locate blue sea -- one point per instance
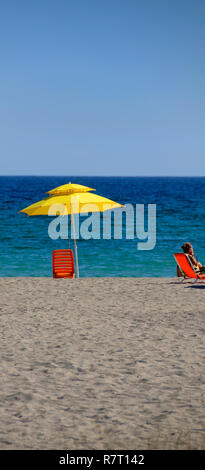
(26, 248)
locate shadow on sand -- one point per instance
(188, 284)
(195, 286)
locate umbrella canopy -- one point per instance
(70, 188)
(73, 199)
(73, 203)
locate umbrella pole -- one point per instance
(76, 250)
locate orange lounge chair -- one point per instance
(63, 264)
(186, 267)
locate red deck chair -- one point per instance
(63, 264)
(186, 267)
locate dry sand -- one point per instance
(102, 364)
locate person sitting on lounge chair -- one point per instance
(188, 249)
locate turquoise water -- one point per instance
(26, 248)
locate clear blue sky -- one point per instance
(102, 87)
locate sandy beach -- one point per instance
(102, 363)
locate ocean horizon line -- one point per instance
(98, 176)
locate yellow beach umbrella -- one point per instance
(71, 199)
(76, 202)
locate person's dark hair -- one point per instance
(186, 247)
